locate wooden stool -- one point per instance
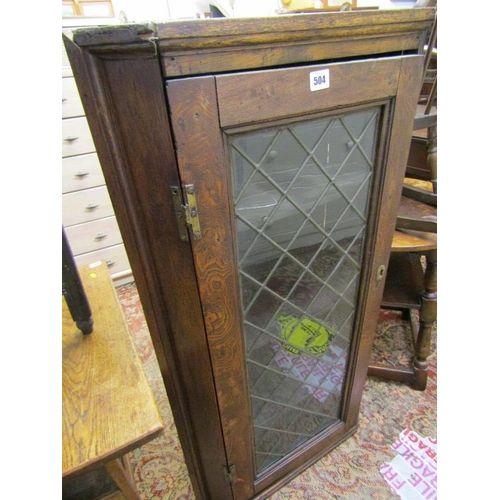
(409, 287)
(108, 407)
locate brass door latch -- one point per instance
(186, 213)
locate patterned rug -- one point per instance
(350, 472)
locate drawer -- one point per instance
(81, 172)
(71, 103)
(115, 258)
(95, 235)
(86, 206)
(76, 137)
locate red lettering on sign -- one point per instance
(407, 452)
(428, 472)
(416, 463)
(398, 484)
(422, 445)
(389, 474)
(434, 482)
(412, 437)
(427, 491)
(432, 454)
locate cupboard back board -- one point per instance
(254, 167)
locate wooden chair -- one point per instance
(411, 283)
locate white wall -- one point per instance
(157, 10)
(162, 10)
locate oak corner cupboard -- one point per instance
(255, 167)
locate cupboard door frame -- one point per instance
(202, 110)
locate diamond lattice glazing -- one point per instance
(301, 196)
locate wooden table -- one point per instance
(108, 406)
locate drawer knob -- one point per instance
(110, 263)
(100, 236)
(81, 174)
(91, 206)
(70, 138)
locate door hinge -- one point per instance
(186, 214)
(230, 474)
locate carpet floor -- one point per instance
(349, 472)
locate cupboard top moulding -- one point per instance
(219, 45)
(255, 168)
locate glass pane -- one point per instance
(301, 196)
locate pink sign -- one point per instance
(412, 474)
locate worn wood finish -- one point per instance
(202, 163)
(108, 406)
(420, 190)
(405, 281)
(124, 100)
(201, 159)
(264, 95)
(222, 45)
(413, 241)
(119, 72)
(122, 477)
(411, 288)
(417, 215)
(408, 286)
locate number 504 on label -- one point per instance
(319, 80)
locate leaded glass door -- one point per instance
(301, 197)
(296, 174)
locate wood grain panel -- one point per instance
(312, 26)
(108, 406)
(265, 95)
(201, 160)
(224, 59)
(222, 45)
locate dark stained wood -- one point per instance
(201, 162)
(410, 287)
(405, 281)
(125, 106)
(201, 159)
(265, 95)
(419, 190)
(221, 45)
(405, 375)
(189, 289)
(416, 215)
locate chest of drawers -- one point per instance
(87, 212)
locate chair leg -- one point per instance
(428, 315)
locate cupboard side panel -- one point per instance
(202, 162)
(125, 106)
